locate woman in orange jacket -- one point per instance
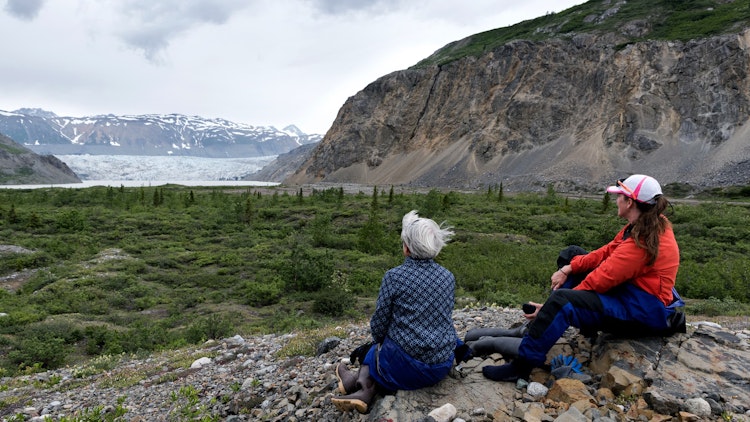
(626, 286)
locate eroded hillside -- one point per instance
(575, 111)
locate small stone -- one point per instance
(698, 406)
(537, 390)
(444, 413)
(327, 345)
(479, 411)
(200, 363)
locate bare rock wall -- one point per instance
(578, 111)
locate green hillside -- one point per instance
(629, 22)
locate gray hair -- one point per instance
(422, 236)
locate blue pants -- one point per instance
(393, 369)
(624, 310)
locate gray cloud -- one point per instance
(338, 7)
(264, 62)
(149, 26)
(24, 9)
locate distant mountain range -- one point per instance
(172, 134)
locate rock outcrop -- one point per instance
(284, 165)
(701, 375)
(19, 165)
(576, 112)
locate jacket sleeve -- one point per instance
(624, 262)
(591, 260)
(381, 318)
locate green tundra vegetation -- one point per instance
(104, 271)
(668, 20)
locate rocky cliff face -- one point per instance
(284, 165)
(19, 165)
(576, 113)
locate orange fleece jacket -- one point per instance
(621, 261)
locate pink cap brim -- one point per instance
(615, 189)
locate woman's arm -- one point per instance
(591, 260)
(381, 318)
(623, 263)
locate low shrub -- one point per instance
(306, 343)
(209, 328)
(332, 302)
(47, 352)
(263, 293)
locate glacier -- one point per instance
(159, 168)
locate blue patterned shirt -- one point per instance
(414, 309)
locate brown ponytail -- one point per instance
(649, 226)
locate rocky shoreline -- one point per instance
(701, 375)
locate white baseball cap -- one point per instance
(639, 187)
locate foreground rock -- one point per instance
(701, 375)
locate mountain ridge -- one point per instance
(619, 22)
(575, 110)
(148, 134)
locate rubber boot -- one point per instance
(510, 372)
(506, 346)
(347, 379)
(477, 333)
(361, 399)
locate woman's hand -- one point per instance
(531, 316)
(559, 277)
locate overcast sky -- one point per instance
(259, 62)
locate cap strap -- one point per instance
(627, 190)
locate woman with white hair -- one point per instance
(412, 327)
